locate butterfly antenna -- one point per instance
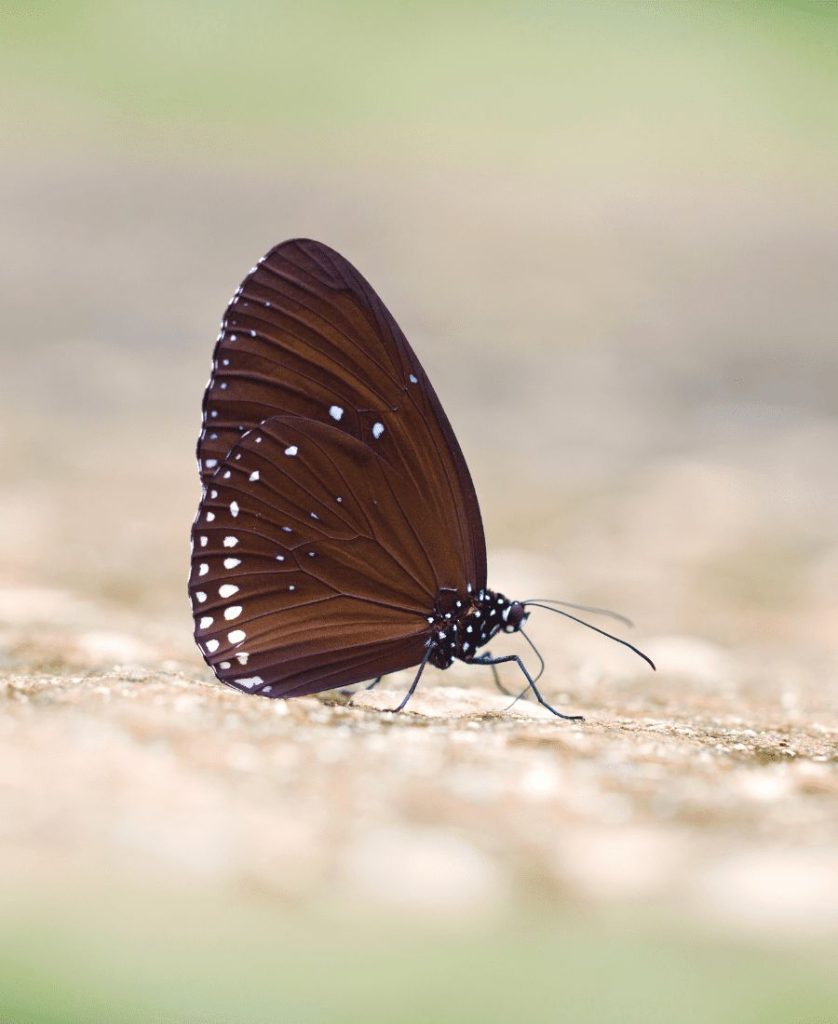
(537, 654)
(588, 609)
(596, 629)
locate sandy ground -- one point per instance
(701, 797)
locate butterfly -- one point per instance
(338, 537)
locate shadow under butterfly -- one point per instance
(338, 537)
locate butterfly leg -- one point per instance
(369, 686)
(532, 686)
(415, 682)
(486, 659)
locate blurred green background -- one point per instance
(610, 231)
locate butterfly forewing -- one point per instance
(306, 335)
(337, 502)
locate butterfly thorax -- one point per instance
(460, 627)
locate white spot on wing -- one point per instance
(210, 463)
(233, 612)
(205, 622)
(210, 517)
(413, 379)
(231, 563)
(250, 682)
(335, 412)
(200, 596)
(230, 542)
(203, 569)
(236, 636)
(291, 450)
(212, 646)
(203, 542)
(242, 657)
(227, 590)
(234, 509)
(377, 430)
(254, 476)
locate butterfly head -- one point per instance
(514, 616)
(500, 614)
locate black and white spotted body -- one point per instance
(462, 626)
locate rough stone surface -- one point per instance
(718, 809)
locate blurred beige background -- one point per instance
(610, 232)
